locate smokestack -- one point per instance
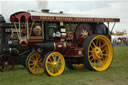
(43, 4)
(61, 12)
(45, 10)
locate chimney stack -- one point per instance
(45, 10)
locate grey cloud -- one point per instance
(9, 7)
(77, 5)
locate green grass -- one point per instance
(117, 74)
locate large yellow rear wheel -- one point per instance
(98, 52)
(34, 63)
(54, 64)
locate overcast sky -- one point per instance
(112, 8)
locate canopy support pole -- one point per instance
(43, 30)
(31, 27)
(17, 31)
(113, 27)
(27, 30)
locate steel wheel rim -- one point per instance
(35, 63)
(55, 64)
(100, 53)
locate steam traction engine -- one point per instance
(51, 41)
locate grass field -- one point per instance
(117, 74)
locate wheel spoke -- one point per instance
(90, 51)
(94, 62)
(90, 55)
(58, 60)
(32, 58)
(51, 69)
(59, 65)
(33, 67)
(91, 59)
(103, 45)
(50, 59)
(31, 64)
(49, 65)
(40, 63)
(100, 44)
(103, 50)
(38, 69)
(38, 66)
(56, 69)
(37, 57)
(40, 60)
(49, 62)
(53, 58)
(97, 42)
(105, 54)
(93, 44)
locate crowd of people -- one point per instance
(121, 40)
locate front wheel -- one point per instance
(54, 64)
(98, 52)
(34, 63)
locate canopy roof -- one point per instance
(40, 16)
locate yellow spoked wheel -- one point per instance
(54, 64)
(98, 52)
(34, 63)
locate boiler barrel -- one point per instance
(46, 45)
(54, 46)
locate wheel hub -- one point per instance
(35, 62)
(84, 34)
(55, 64)
(97, 53)
(6, 63)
